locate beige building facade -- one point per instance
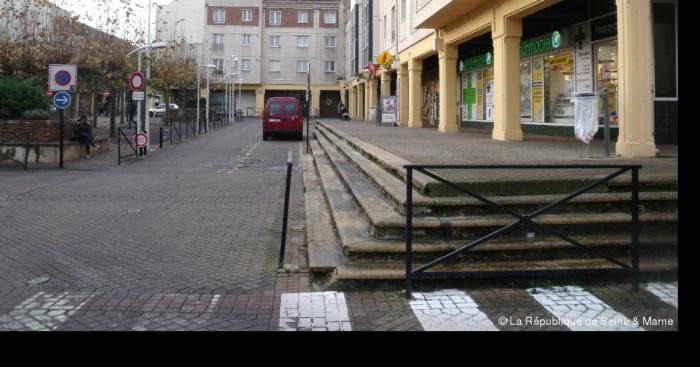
(515, 66)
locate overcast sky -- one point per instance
(93, 13)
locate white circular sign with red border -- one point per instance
(136, 81)
(141, 139)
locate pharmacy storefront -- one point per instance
(553, 67)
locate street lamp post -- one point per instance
(209, 66)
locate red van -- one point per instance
(282, 116)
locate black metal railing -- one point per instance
(526, 219)
(10, 136)
(286, 209)
(128, 141)
(178, 131)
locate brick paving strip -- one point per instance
(580, 310)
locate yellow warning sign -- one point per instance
(385, 60)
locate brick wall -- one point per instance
(234, 16)
(290, 18)
(42, 130)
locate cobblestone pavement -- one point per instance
(188, 239)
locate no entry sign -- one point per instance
(136, 81)
(141, 139)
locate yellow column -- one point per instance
(386, 83)
(403, 95)
(315, 102)
(341, 87)
(635, 79)
(448, 89)
(361, 102)
(373, 102)
(415, 71)
(259, 101)
(352, 106)
(367, 99)
(506, 67)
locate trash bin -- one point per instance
(585, 116)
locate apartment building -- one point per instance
(267, 49)
(363, 38)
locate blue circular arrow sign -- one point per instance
(61, 100)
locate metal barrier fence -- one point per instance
(124, 138)
(527, 219)
(7, 136)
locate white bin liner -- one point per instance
(585, 116)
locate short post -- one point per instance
(635, 228)
(606, 136)
(60, 140)
(286, 209)
(170, 130)
(409, 230)
(26, 150)
(160, 140)
(119, 146)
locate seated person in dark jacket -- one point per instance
(82, 132)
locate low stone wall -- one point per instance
(48, 152)
(42, 130)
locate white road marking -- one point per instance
(44, 311)
(449, 310)
(318, 311)
(579, 310)
(667, 292)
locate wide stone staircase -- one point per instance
(356, 216)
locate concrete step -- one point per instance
(386, 223)
(498, 183)
(397, 270)
(394, 190)
(325, 253)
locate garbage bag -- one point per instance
(585, 116)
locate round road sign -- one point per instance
(62, 78)
(141, 139)
(136, 81)
(106, 93)
(61, 100)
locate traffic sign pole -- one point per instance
(60, 140)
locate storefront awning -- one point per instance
(448, 13)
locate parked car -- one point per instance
(282, 116)
(160, 109)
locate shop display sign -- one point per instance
(561, 61)
(490, 95)
(605, 27)
(584, 59)
(541, 45)
(389, 111)
(538, 89)
(476, 62)
(480, 95)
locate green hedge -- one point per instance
(21, 99)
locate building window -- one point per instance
(329, 41)
(274, 41)
(275, 18)
(329, 66)
(302, 66)
(247, 15)
(665, 50)
(403, 11)
(246, 65)
(219, 63)
(303, 17)
(246, 40)
(384, 28)
(218, 43)
(393, 21)
(274, 66)
(219, 16)
(302, 41)
(329, 17)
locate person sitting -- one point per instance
(82, 132)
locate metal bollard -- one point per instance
(160, 140)
(286, 209)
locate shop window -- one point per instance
(665, 50)
(559, 87)
(606, 76)
(526, 91)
